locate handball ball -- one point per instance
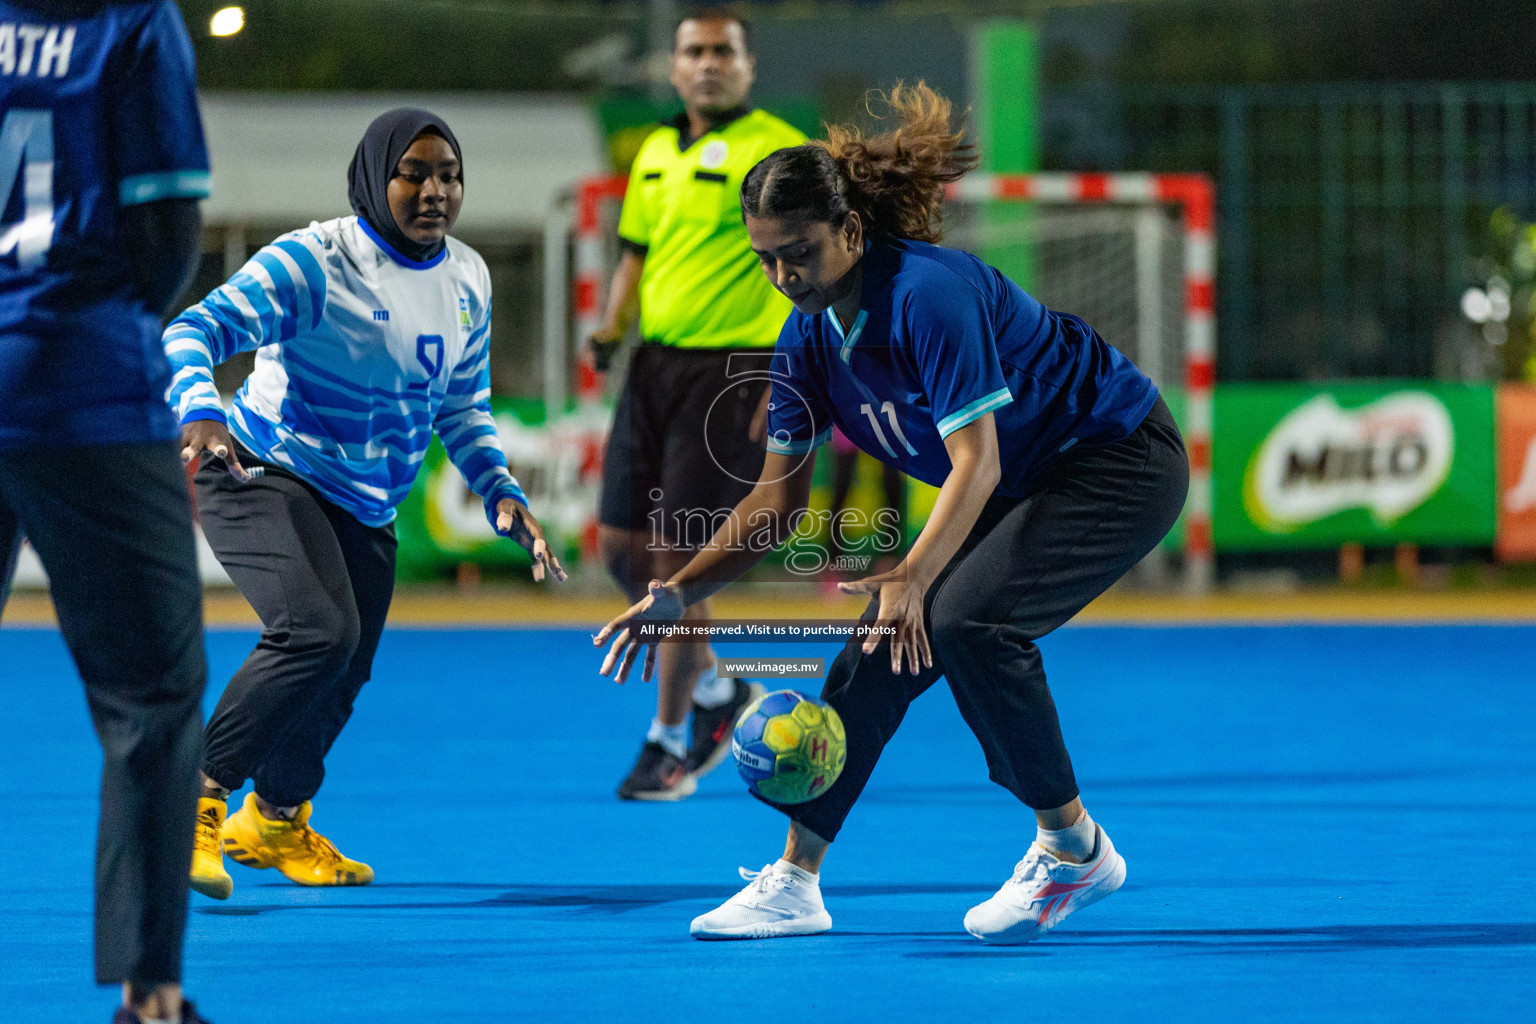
(789, 747)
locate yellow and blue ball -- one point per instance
(789, 747)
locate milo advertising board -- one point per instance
(1299, 466)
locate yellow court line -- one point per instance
(443, 607)
(1321, 606)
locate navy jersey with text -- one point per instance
(98, 111)
(941, 339)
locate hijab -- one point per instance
(374, 163)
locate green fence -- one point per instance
(1348, 215)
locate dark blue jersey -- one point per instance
(98, 111)
(940, 340)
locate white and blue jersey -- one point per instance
(361, 353)
(98, 111)
(940, 340)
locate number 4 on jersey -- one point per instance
(26, 152)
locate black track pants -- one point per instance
(1027, 567)
(113, 527)
(321, 582)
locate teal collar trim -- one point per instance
(852, 337)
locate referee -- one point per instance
(687, 444)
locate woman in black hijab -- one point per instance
(373, 333)
(387, 207)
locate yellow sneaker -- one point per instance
(295, 849)
(208, 874)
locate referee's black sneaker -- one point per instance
(658, 774)
(712, 728)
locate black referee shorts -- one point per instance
(681, 451)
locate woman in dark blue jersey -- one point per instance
(1059, 468)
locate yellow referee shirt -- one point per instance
(702, 286)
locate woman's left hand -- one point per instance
(514, 520)
(663, 602)
(901, 607)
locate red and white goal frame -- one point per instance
(1192, 195)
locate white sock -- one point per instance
(712, 691)
(784, 867)
(1074, 841)
(672, 737)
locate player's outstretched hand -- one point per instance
(212, 436)
(662, 603)
(514, 520)
(901, 607)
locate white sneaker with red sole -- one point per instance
(1044, 889)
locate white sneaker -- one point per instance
(775, 903)
(1043, 890)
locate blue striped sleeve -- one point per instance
(277, 294)
(314, 278)
(467, 428)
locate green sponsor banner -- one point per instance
(441, 524)
(1309, 466)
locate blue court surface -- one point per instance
(1321, 824)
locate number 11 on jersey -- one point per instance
(888, 409)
